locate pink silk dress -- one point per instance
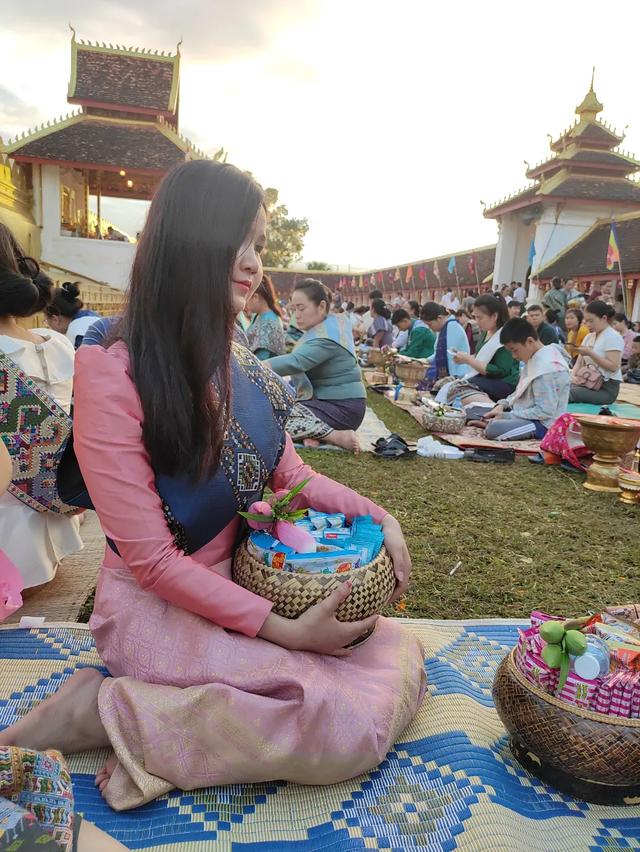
(195, 698)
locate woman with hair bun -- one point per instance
(597, 373)
(35, 541)
(66, 313)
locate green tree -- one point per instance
(285, 234)
(319, 266)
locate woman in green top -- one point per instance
(493, 368)
(265, 332)
(332, 398)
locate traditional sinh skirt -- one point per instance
(192, 705)
(315, 418)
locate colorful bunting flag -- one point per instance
(436, 269)
(452, 266)
(397, 276)
(380, 277)
(613, 251)
(409, 276)
(471, 266)
(532, 250)
(422, 275)
(372, 280)
(353, 282)
(361, 283)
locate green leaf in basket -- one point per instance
(252, 516)
(284, 501)
(298, 515)
(564, 671)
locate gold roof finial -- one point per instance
(590, 106)
(73, 37)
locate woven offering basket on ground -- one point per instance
(588, 755)
(292, 594)
(450, 423)
(410, 372)
(375, 357)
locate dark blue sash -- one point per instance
(253, 445)
(440, 367)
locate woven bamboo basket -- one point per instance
(293, 594)
(589, 755)
(450, 424)
(410, 372)
(375, 357)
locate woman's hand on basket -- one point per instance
(399, 553)
(318, 629)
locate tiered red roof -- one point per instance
(585, 167)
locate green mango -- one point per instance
(552, 632)
(552, 655)
(575, 642)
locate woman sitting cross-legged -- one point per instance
(542, 394)
(176, 429)
(493, 368)
(332, 398)
(380, 332)
(265, 332)
(597, 373)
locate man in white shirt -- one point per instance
(449, 301)
(520, 294)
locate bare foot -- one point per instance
(311, 442)
(104, 775)
(67, 721)
(345, 438)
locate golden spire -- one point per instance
(590, 106)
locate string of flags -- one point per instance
(415, 276)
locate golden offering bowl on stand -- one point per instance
(609, 438)
(629, 482)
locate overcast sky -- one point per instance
(384, 123)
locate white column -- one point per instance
(50, 177)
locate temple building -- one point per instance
(119, 143)
(586, 180)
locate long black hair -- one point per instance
(268, 292)
(178, 323)
(380, 308)
(601, 310)
(24, 289)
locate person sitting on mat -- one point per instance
(546, 332)
(493, 368)
(632, 374)
(451, 338)
(542, 394)
(597, 373)
(421, 340)
(332, 398)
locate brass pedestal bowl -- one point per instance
(609, 438)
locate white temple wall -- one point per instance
(558, 229)
(512, 251)
(106, 261)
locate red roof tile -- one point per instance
(118, 78)
(108, 143)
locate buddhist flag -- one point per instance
(436, 270)
(372, 280)
(452, 266)
(613, 252)
(353, 281)
(409, 276)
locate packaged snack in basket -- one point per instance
(595, 662)
(538, 618)
(323, 520)
(624, 655)
(619, 703)
(629, 611)
(621, 624)
(635, 696)
(539, 673)
(578, 691)
(615, 634)
(602, 703)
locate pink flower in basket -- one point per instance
(276, 517)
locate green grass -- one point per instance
(527, 536)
